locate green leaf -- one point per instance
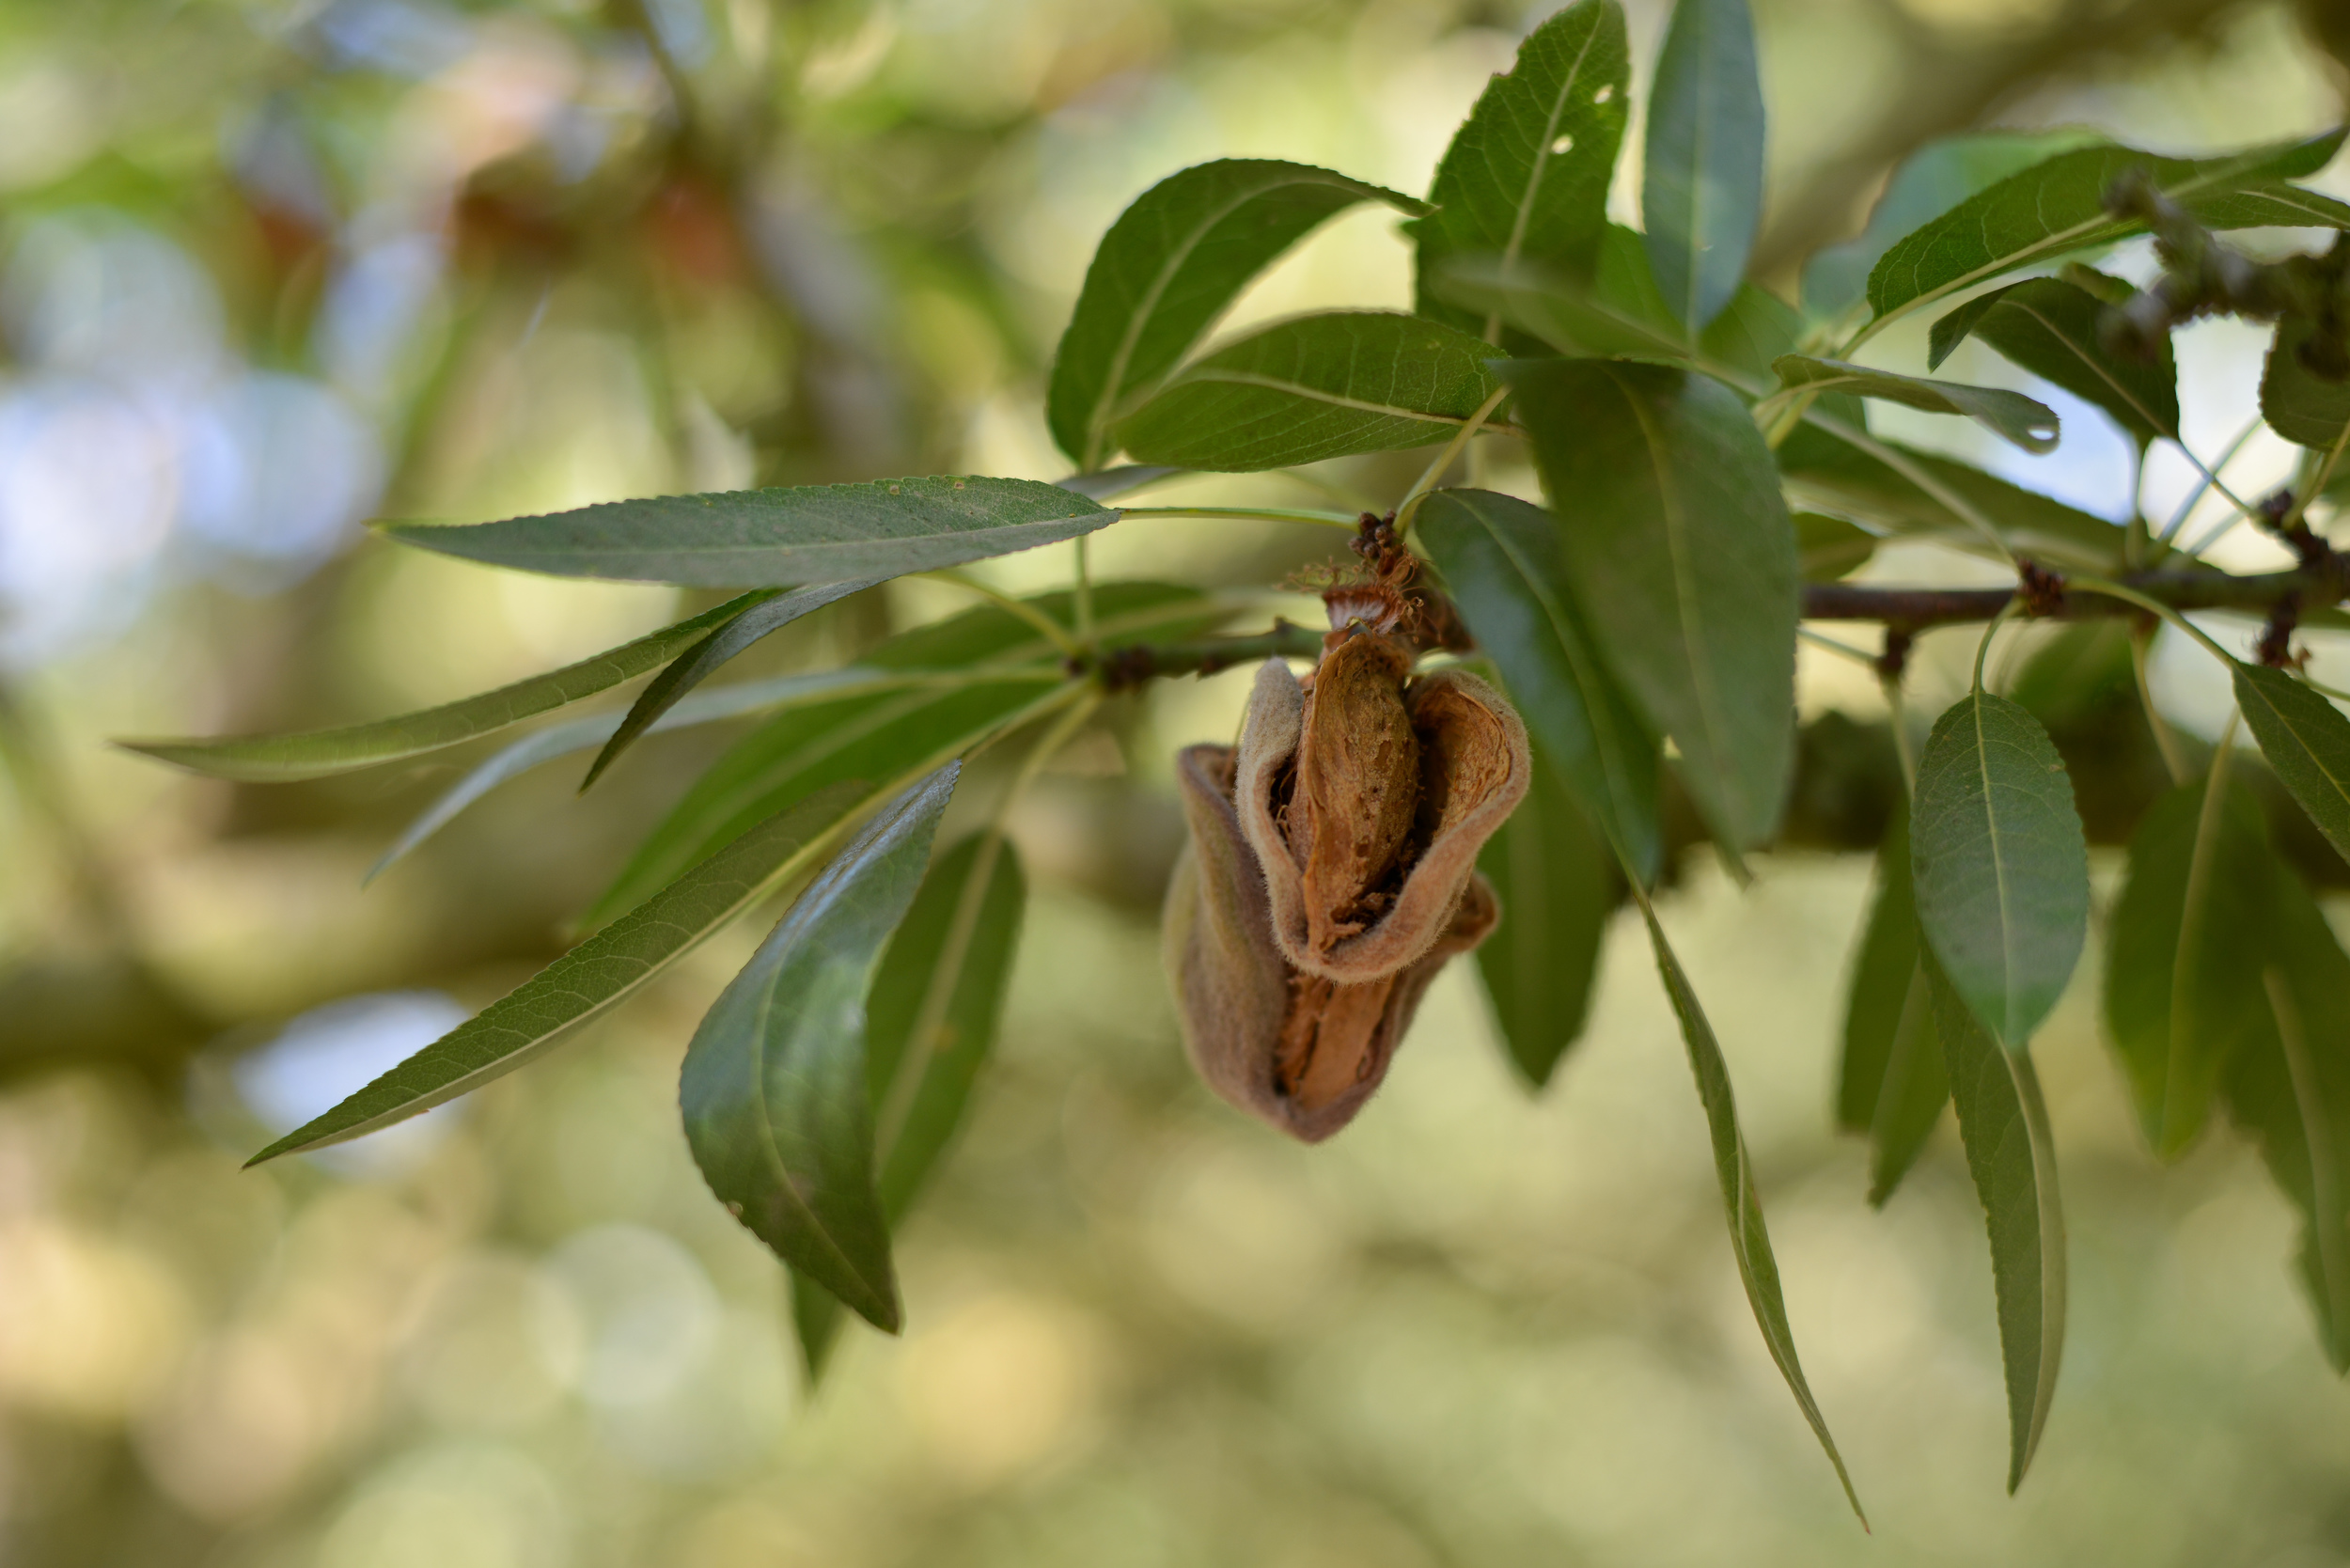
(931, 1020)
(1890, 1083)
(1733, 1168)
(1166, 270)
(2010, 416)
(2288, 1085)
(1702, 195)
(2183, 961)
(705, 658)
(1828, 548)
(889, 738)
(2000, 863)
(586, 982)
(2306, 740)
(519, 756)
(1573, 319)
(1937, 176)
(2003, 1123)
(2058, 206)
(2303, 407)
(1315, 387)
(1683, 556)
(1525, 178)
(277, 758)
(1835, 475)
(1558, 880)
(822, 533)
(2049, 327)
(1106, 482)
(777, 1109)
(1500, 560)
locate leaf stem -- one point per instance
(2131, 596)
(1982, 649)
(2165, 738)
(2211, 477)
(1051, 630)
(1263, 514)
(1409, 507)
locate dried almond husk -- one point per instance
(1367, 797)
(1301, 1052)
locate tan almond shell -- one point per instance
(1474, 779)
(1232, 987)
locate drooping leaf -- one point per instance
(1915, 499)
(1501, 563)
(2183, 965)
(2000, 864)
(2058, 206)
(1937, 176)
(2003, 1123)
(1755, 329)
(1166, 270)
(1525, 178)
(1828, 548)
(2306, 740)
(2288, 1085)
(277, 758)
(931, 1020)
(889, 738)
(1701, 195)
(1678, 545)
(587, 981)
(1573, 317)
(777, 1109)
(707, 657)
(1890, 1083)
(1314, 388)
(2299, 405)
(820, 533)
(2049, 327)
(2010, 416)
(587, 733)
(1557, 878)
(1733, 1168)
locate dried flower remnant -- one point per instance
(1300, 1051)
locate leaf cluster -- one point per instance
(1708, 473)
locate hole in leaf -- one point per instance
(1561, 145)
(1604, 93)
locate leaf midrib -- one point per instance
(1314, 394)
(1524, 214)
(1998, 871)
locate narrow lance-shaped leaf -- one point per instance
(2183, 967)
(1315, 387)
(1558, 880)
(889, 738)
(2298, 403)
(1525, 178)
(1890, 1083)
(2288, 1085)
(1166, 270)
(1499, 556)
(1916, 498)
(823, 533)
(931, 1020)
(778, 1110)
(2003, 1123)
(2306, 740)
(1701, 195)
(273, 758)
(1828, 548)
(1749, 1241)
(1936, 177)
(2048, 326)
(2000, 862)
(2058, 206)
(517, 758)
(1676, 542)
(1105, 483)
(586, 982)
(2010, 416)
(705, 658)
